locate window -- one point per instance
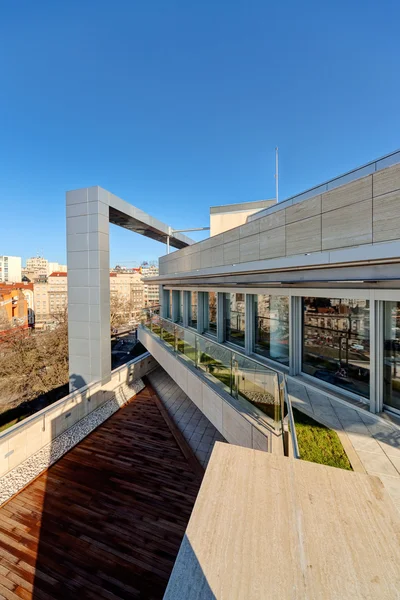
(234, 318)
(272, 327)
(193, 309)
(336, 342)
(210, 320)
(391, 364)
(179, 312)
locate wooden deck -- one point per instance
(107, 520)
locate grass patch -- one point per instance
(318, 443)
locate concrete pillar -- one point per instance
(175, 305)
(295, 334)
(221, 317)
(88, 286)
(165, 304)
(249, 324)
(187, 298)
(200, 311)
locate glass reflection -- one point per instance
(336, 346)
(272, 327)
(193, 310)
(210, 321)
(391, 365)
(234, 318)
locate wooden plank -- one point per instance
(107, 520)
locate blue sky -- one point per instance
(176, 106)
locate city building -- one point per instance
(51, 299)
(128, 286)
(151, 291)
(14, 308)
(41, 300)
(55, 267)
(57, 294)
(10, 269)
(37, 265)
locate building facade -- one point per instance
(310, 286)
(151, 291)
(128, 286)
(10, 269)
(51, 299)
(15, 300)
(37, 265)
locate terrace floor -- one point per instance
(372, 442)
(197, 430)
(107, 520)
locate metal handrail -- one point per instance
(292, 425)
(280, 402)
(224, 346)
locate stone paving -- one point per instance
(200, 434)
(375, 440)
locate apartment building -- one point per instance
(14, 311)
(128, 285)
(50, 298)
(10, 269)
(57, 293)
(151, 291)
(39, 267)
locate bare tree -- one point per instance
(32, 363)
(121, 310)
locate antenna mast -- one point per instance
(276, 174)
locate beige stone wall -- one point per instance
(221, 222)
(365, 211)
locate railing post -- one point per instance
(196, 352)
(175, 340)
(277, 404)
(235, 376)
(231, 378)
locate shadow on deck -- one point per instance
(107, 520)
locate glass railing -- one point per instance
(240, 376)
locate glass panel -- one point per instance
(186, 342)
(256, 384)
(336, 342)
(391, 365)
(168, 335)
(193, 310)
(211, 317)
(215, 360)
(272, 327)
(234, 318)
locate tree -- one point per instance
(120, 310)
(32, 363)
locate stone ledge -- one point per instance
(19, 477)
